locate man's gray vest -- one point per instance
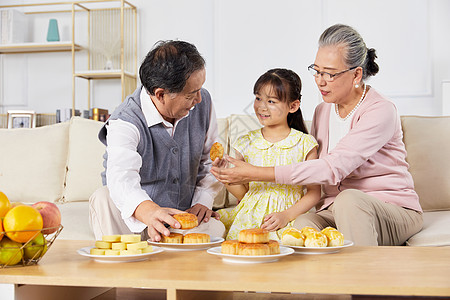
(170, 165)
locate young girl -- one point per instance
(282, 141)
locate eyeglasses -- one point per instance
(326, 76)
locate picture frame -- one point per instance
(21, 119)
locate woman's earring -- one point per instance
(356, 85)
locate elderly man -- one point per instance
(157, 150)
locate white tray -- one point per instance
(118, 258)
(188, 247)
(320, 250)
(247, 259)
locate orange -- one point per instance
(22, 223)
(5, 205)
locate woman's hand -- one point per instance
(235, 175)
(275, 221)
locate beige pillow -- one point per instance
(33, 162)
(434, 232)
(428, 146)
(85, 160)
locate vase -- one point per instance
(53, 33)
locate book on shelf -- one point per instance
(100, 114)
(64, 114)
(13, 26)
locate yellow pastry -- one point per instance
(334, 237)
(316, 239)
(196, 238)
(307, 230)
(173, 238)
(96, 251)
(230, 247)
(254, 235)
(216, 151)
(253, 249)
(274, 247)
(186, 220)
(292, 237)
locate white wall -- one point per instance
(241, 39)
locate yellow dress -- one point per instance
(264, 198)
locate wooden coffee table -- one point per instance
(396, 271)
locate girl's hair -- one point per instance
(287, 86)
(356, 54)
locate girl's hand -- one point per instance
(275, 221)
(220, 163)
(235, 175)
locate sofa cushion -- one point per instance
(427, 143)
(33, 162)
(435, 231)
(85, 160)
(75, 220)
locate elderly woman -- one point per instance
(368, 193)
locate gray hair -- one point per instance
(356, 54)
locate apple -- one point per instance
(50, 215)
(36, 247)
(10, 252)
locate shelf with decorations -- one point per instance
(111, 46)
(38, 47)
(109, 43)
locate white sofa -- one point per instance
(62, 163)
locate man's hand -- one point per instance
(155, 216)
(275, 221)
(202, 212)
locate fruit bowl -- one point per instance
(29, 253)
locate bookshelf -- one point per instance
(110, 41)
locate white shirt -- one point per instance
(338, 128)
(124, 163)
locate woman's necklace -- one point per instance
(354, 108)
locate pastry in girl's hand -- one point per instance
(216, 151)
(196, 238)
(254, 235)
(173, 238)
(186, 220)
(292, 237)
(316, 239)
(230, 247)
(274, 247)
(253, 249)
(335, 238)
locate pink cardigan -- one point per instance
(370, 158)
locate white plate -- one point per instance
(188, 247)
(246, 259)
(118, 258)
(320, 250)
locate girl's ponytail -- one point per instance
(295, 120)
